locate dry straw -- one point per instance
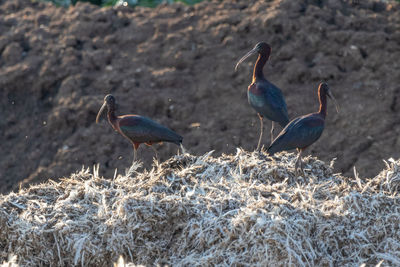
(244, 209)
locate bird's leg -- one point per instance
(134, 155)
(299, 162)
(272, 131)
(155, 151)
(135, 148)
(183, 149)
(301, 166)
(296, 165)
(261, 132)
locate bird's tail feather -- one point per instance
(177, 142)
(273, 148)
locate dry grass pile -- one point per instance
(243, 209)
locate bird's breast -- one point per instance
(254, 90)
(256, 100)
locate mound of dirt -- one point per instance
(242, 209)
(175, 64)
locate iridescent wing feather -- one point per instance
(140, 129)
(299, 133)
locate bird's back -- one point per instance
(299, 133)
(267, 99)
(141, 129)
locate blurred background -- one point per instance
(174, 62)
(132, 3)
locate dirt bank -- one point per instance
(175, 64)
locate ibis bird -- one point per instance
(303, 131)
(263, 96)
(137, 129)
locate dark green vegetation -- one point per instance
(146, 3)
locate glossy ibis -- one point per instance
(137, 129)
(263, 96)
(303, 131)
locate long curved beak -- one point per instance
(330, 95)
(100, 112)
(251, 52)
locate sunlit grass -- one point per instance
(239, 209)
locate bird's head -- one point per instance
(325, 90)
(109, 102)
(261, 48)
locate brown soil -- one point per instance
(175, 64)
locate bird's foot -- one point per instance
(260, 148)
(299, 172)
(259, 153)
(298, 168)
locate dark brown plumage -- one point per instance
(303, 131)
(137, 129)
(263, 96)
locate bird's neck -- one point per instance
(258, 67)
(322, 104)
(112, 118)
